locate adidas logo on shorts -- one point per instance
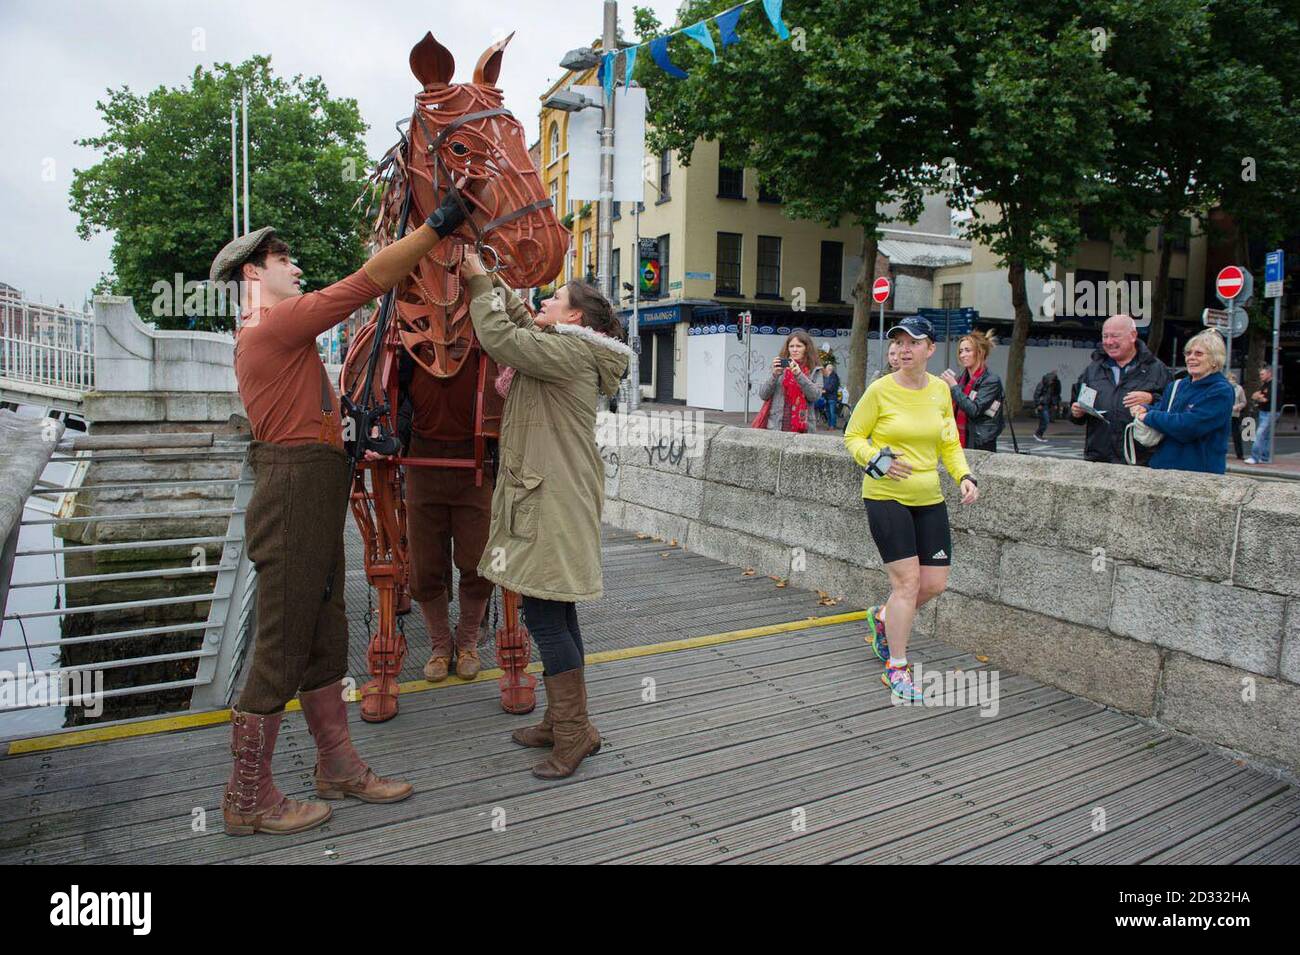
(941, 555)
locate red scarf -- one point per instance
(795, 401)
(967, 386)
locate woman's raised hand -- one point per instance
(471, 265)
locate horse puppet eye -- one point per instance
(459, 149)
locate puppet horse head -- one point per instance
(460, 134)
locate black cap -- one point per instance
(915, 325)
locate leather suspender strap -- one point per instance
(329, 426)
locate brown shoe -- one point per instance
(436, 622)
(467, 664)
(436, 670)
(542, 734)
(252, 801)
(575, 737)
(340, 771)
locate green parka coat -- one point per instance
(550, 488)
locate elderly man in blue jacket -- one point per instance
(1195, 414)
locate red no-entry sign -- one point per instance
(880, 290)
(1229, 282)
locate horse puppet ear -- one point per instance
(488, 67)
(431, 62)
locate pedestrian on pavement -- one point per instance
(1195, 413)
(1266, 416)
(788, 395)
(1047, 398)
(831, 394)
(544, 542)
(900, 429)
(302, 483)
(1238, 410)
(891, 356)
(1123, 374)
(977, 396)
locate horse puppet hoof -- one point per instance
(379, 701)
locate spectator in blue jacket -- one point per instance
(1197, 422)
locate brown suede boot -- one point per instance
(340, 771)
(439, 627)
(575, 737)
(542, 734)
(467, 631)
(252, 802)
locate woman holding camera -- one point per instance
(544, 542)
(790, 394)
(977, 395)
(899, 431)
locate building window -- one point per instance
(1091, 228)
(555, 141)
(832, 271)
(1090, 287)
(665, 175)
(1175, 298)
(951, 295)
(614, 276)
(766, 194)
(589, 267)
(731, 182)
(664, 290)
(555, 197)
(728, 263)
(769, 267)
(618, 210)
(1178, 234)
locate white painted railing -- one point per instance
(45, 346)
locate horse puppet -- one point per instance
(460, 141)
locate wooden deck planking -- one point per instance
(741, 734)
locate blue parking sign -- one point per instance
(1273, 274)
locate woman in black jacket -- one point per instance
(977, 395)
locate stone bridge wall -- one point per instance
(1170, 595)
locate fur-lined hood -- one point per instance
(611, 356)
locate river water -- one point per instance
(16, 655)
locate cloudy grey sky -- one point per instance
(61, 56)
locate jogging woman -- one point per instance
(899, 431)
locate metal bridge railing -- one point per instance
(219, 654)
(46, 346)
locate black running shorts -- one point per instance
(901, 532)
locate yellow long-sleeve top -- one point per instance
(918, 425)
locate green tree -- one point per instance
(840, 121)
(163, 183)
(1031, 111)
(1218, 124)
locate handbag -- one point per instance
(1142, 433)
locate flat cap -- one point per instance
(235, 252)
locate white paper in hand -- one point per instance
(1087, 399)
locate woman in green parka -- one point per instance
(545, 538)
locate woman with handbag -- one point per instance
(1189, 426)
(790, 393)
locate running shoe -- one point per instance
(877, 639)
(899, 681)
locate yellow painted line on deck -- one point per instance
(183, 721)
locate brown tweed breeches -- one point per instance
(294, 529)
(444, 508)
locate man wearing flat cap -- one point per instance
(294, 522)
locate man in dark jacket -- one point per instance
(831, 394)
(1047, 400)
(1123, 373)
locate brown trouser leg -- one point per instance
(294, 529)
(446, 512)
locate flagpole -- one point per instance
(245, 108)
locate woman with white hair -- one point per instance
(1195, 413)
